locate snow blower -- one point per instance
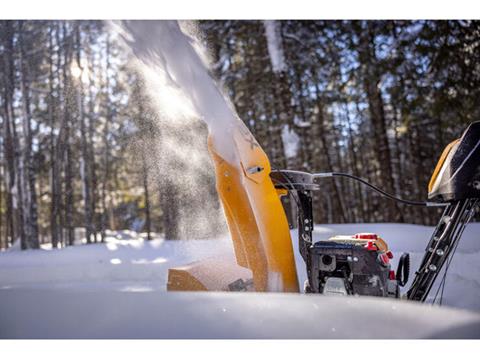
(344, 265)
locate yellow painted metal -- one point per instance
(381, 244)
(282, 192)
(256, 221)
(440, 162)
(241, 222)
(255, 216)
(214, 274)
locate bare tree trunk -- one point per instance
(106, 154)
(85, 161)
(30, 193)
(356, 171)
(281, 88)
(58, 145)
(11, 145)
(147, 197)
(371, 81)
(321, 135)
(168, 200)
(91, 152)
(66, 142)
(3, 245)
(54, 173)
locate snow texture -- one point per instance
(108, 314)
(117, 290)
(176, 71)
(274, 43)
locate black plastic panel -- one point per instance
(459, 177)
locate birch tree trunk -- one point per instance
(280, 87)
(85, 161)
(54, 160)
(106, 152)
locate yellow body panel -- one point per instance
(255, 215)
(216, 274)
(381, 244)
(440, 162)
(241, 222)
(256, 220)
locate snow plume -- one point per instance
(274, 43)
(175, 70)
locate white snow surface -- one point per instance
(127, 261)
(117, 290)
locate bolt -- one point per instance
(432, 268)
(476, 185)
(254, 170)
(440, 252)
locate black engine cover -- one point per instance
(359, 267)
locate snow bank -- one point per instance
(110, 314)
(117, 290)
(125, 262)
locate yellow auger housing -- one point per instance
(256, 220)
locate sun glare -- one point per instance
(169, 99)
(78, 72)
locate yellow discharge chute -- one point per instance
(256, 221)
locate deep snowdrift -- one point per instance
(110, 314)
(117, 289)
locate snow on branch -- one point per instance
(275, 48)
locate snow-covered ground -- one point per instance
(126, 262)
(128, 265)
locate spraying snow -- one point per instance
(174, 66)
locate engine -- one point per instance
(352, 265)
